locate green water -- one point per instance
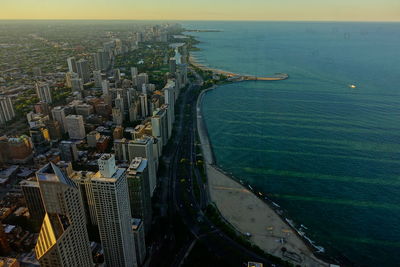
(327, 154)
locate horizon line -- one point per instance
(200, 20)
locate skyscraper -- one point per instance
(139, 236)
(33, 200)
(143, 147)
(141, 79)
(111, 198)
(139, 191)
(117, 75)
(75, 126)
(97, 78)
(144, 108)
(172, 65)
(63, 238)
(43, 92)
(59, 114)
(69, 152)
(159, 125)
(82, 67)
(77, 84)
(72, 64)
(118, 117)
(68, 78)
(101, 60)
(169, 95)
(134, 72)
(7, 112)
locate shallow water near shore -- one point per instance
(328, 154)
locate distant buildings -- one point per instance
(59, 114)
(82, 67)
(72, 65)
(101, 60)
(98, 80)
(7, 112)
(75, 127)
(141, 79)
(77, 84)
(63, 238)
(43, 92)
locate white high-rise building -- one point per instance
(72, 64)
(159, 126)
(169, 95)
(63, 239)
(75, 126)
(7, 112)
(143, 148)
(111, 198)
(43, 92)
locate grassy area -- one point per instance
(150, 58)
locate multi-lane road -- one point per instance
(184, 204)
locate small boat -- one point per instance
(352, 86)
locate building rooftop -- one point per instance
(52, 173)
(137, 165)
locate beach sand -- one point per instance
(249, 214)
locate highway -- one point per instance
(186, 223)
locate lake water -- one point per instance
(328, 154)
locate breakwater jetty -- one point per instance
(239, 77)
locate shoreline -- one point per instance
(274, 231)
(235, 76)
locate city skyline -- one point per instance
(179, 10)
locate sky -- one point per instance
(309, 10)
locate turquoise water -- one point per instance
(329, 155)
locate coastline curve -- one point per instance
(251, 214)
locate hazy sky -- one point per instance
(349, 10)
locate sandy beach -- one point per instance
(248, 213)
(195, 63)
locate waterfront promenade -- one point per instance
(249, 214)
